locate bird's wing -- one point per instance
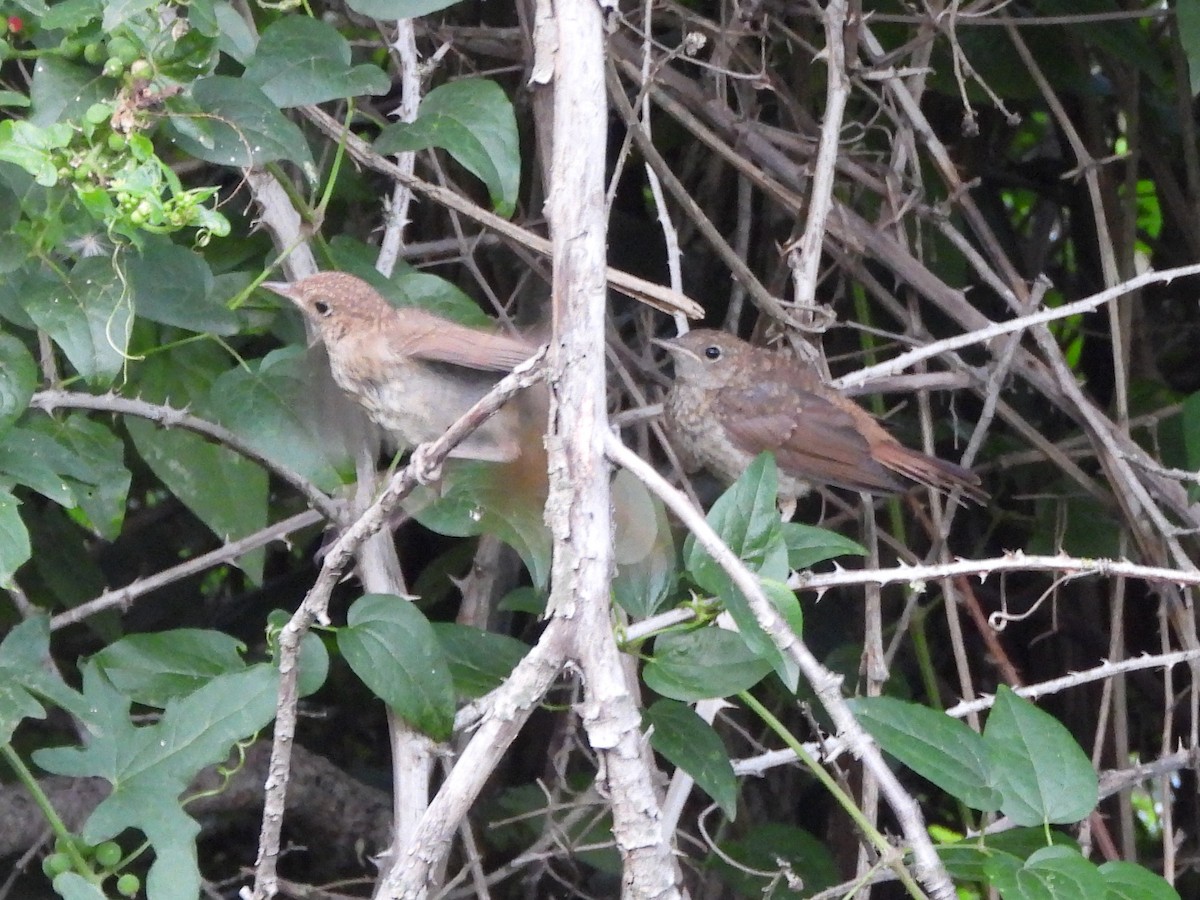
(439, 340)
(811, 436)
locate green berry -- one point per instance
(108, 854)
(98, 113)
(117, 142)
(69, 48)
(55, 864)
(113, 68)
(94, 53)
(140, 68)
(124, 49)
(128, 884)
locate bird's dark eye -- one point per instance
(712, 351)
(322, 308)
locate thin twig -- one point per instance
(169, 417)
(122, 598)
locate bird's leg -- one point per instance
(425, 470)
(787, 508)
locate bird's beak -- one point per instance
(282, 288)
(667, 344)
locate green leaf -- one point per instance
(91, 462)
(746, 519)
(933, 745)
(31, 148)
(24, 678)
(73, 886)
(479, 660)
(235, 124)
(314, 657)
(234, 36)
(226, 491)
(192, 54)
(390, 645)
(691, 744)
(117, 12)
(398, 9)
(697, 665)
(808, 545)
(1079, 525)
(1038, 767)
(174, 285)
(523, 599)
(967, 860)
(1053, 873)
(71, 15)
(270, 405)
(89, 317)
(65, 564)
(18, 380)
(149, 767)
(481, 498)
(153, 669)
(301, 61)
(473, 121)
(1127, 881)
(38, 461)
(765, 849)
(61, 91)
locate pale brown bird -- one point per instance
(415, 372)
(731, 401)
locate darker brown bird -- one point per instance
(731, 401)
(415, 372)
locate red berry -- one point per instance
(15, 23)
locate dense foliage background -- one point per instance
(177, 470)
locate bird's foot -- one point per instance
(426, 470)
(787, 508)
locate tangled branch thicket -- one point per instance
(852, 182)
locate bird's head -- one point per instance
(704, 358)
(333, 301)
